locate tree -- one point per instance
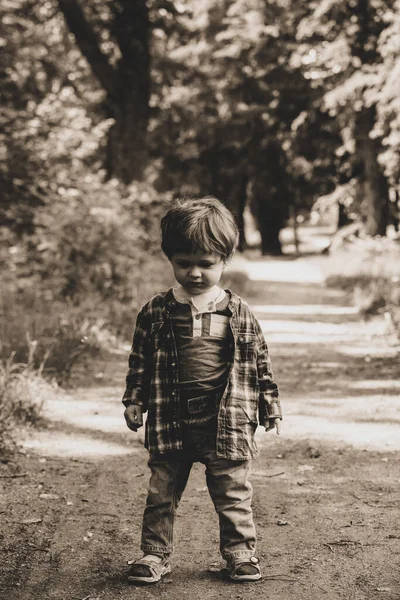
(23, 85)
(232, 98)
(123, 73)
(340, 52)
(388, 108)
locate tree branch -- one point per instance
(87, 42)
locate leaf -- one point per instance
(303, 468)
(31, 521)
(49, 496)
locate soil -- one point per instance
(326, 492)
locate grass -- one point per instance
(46, 334)
(43, 338)
(369, 270)
(23, 391)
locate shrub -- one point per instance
(46, 335)
(369, 271)
(22, 394)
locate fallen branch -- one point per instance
(99, 514)
(260, 474)
(282, 577)
(13, 476)
(342, 543)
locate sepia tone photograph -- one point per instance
(200, 299)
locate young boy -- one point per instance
(199, 367)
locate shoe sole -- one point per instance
(245, 578)
(147, 580)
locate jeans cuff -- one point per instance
(158, 550)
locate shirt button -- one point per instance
(198, 316)
(241, 338)
(173, 364)
(168, 335)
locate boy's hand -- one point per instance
(133, 416)
(274, 423)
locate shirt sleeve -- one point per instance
(139, 372)
(269, 402)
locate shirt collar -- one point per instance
(206, 302)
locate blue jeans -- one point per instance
(227, 483)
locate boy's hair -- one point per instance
(204, 224)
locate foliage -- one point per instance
(349, 51)
(248, 100)
(81, 277)
(223, 122)
(45, 335)
(387, 93)
(234, 84)
(22, 393)
(369, 270)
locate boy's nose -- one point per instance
(195, 272)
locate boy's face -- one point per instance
(197, 272)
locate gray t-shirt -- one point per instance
(205, 348)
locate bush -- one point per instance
(22, 394)
(369, 271)
(91, 263)
(39, 329)
(46, 335)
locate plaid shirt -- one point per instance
(251, 394)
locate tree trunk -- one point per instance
(343, 219)
(229, 184)
(375, 188)
(270, 222)
(126, 145)
(127, 154)
(270, 197)
(374, 184)
(394, 211)
(127, 85)
(235, 196)
(128, 137)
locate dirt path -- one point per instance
(326, 493)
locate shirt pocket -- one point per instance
(157, 335)
(246, 346)
(219, 326)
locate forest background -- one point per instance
(112, 108)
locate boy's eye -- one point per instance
(183, 264)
